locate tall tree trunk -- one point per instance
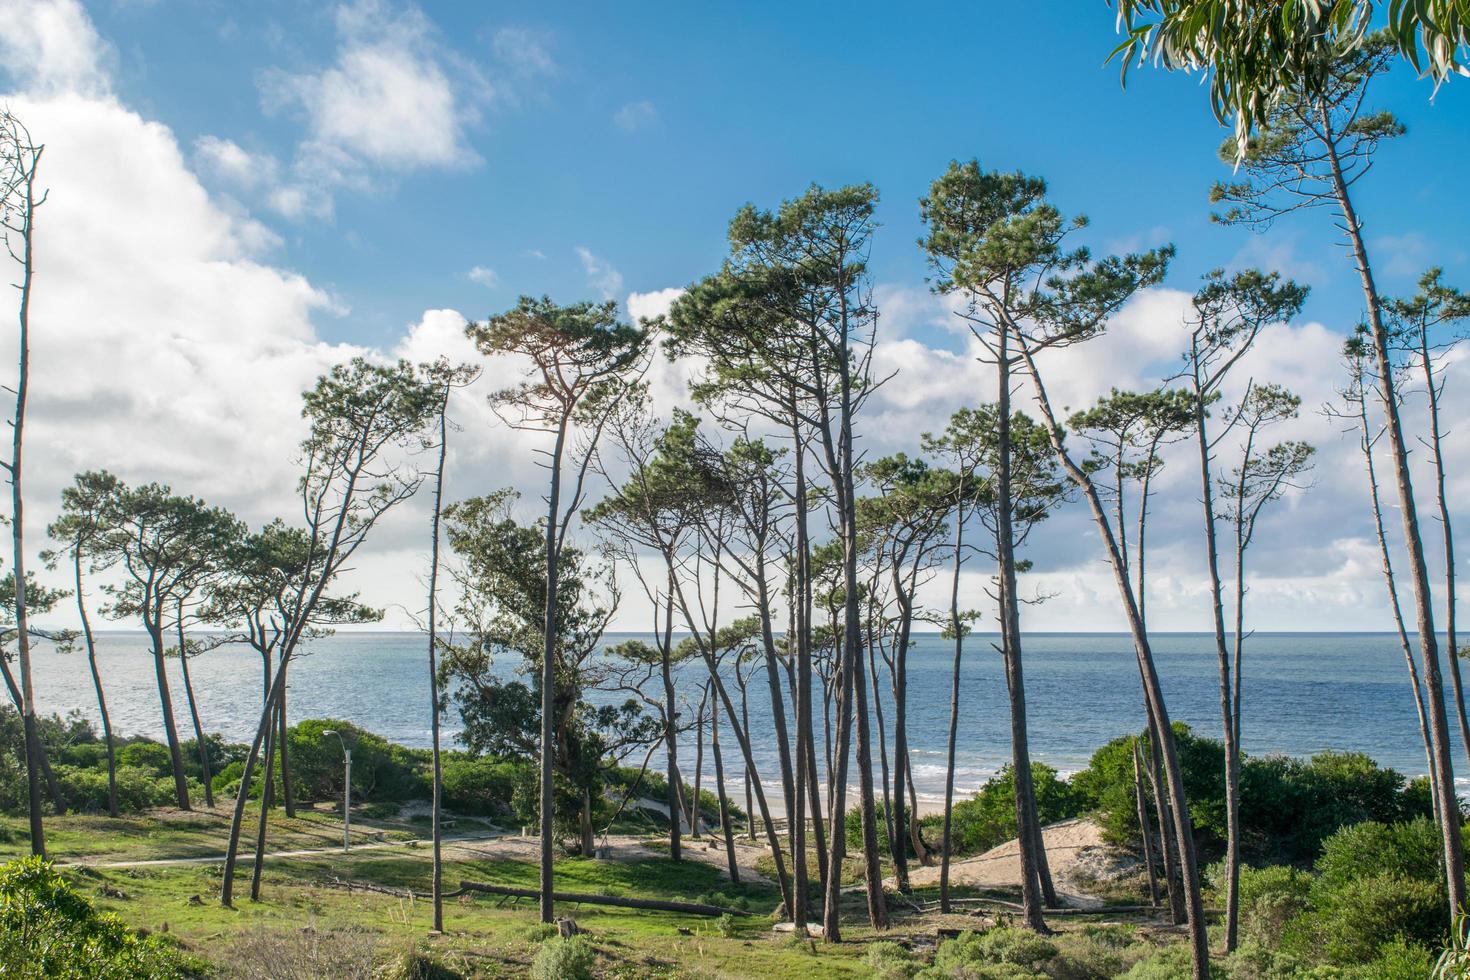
(749, 793)
(1408, 511)
(1222, 654)
(166, 703)
(252, 759)
(1168, 842)
(837, 804)
(1436, 449)
(288, 791)
(1153, 691)
(954, 708)
(726, 828)
(1365, 443)
(548, 677)
(872, 868)
(584, 824)
(199, 739)
(897, 817)
(1035, 884)
(437, 789)
(91, 642)
(805, 780)
(267, 800)
(889, 830)
(696, 822)
(1143, 830)
(671, 732)
(35, 753)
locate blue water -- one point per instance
(1304, 692)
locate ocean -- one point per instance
(1303, 693)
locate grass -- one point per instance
(316, 903)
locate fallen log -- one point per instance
(651, 904)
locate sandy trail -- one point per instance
(1072, 846)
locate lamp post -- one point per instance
(346, 789)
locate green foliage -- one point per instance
(989, 817)
(48, 930)
(381, 771)
(138, 789)
(1271, 899)
(890, 961)
(1288, 807)
(1169, 963)
(145, 754)
(564, 958)
(1003, 953)
(483, 786)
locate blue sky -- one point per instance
(733, 102)
(244, 195)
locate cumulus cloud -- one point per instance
(389, 97)
(483, 275)
(50, 46)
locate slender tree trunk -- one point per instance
(1436, 448)
(897, 817)
(696, 823)
(166, 703)
(749, 794)
(726, 828)
(1222, 654)
(1143, 830)
(1408, 511)
(437, 788)
(267, 801)
(1385, 558)
(91, 642)
(584, 823)
(954, 708)
(671, 733)
(773, 681)
(1168, 842)
(252, 759)
(1153, 691)
(35, 754)
(1035, 885)
(837, 804)
(199, 740)
(288, 791)
(889, 830)
(548, 677)
(872, 868)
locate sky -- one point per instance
(242, 195)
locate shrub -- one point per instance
(481, 786)
(1095, 952)
(1003, 953)
(146, 754)
(989, 817)
(48, 930)
(381, 771)
(890, 961)
(1270, 900)
(1353, 922)
(138, 788)
(1169, 963)
(564, 958)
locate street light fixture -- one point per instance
(346, 789)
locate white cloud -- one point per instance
(655, 304)
(483, 275)
(635, 116)
(388, 98)
(50, 46)
(600, 274)
(230, 162)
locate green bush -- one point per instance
(48, 930)
(137, 788)
(559, 958)
(1353, 923)
(481, 786)
(146, 754)
(381, 771)
(1169, 963)
(989, 817)
(1271, 900)
(890, 961)
(1003, 953)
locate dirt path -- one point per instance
(1072, 846)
